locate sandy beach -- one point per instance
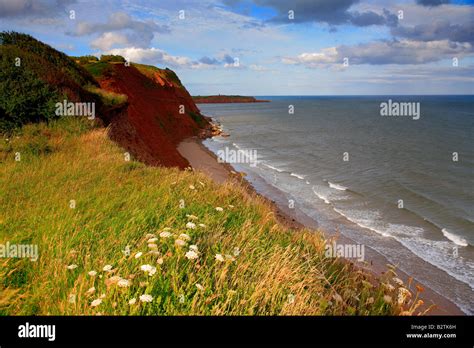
(202, 159)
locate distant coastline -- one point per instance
(218, 99)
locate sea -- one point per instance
(400, 182)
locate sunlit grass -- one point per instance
(150, 241)
(109, 98)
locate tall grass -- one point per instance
(108, 97)
(247, 263)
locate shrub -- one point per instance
(112, 59)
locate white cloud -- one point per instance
(384, 52)
(154, 56)
(108, 40)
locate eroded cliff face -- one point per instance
(159, 114)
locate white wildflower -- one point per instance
(184, 236)
(71, 266)
(397, 281)
(180, 242)
(191, 255)
(194, 248)
(165, 234)
(72, 298)
(146, 298)
(191, 225)
(123, 283)
(236, 251)
(148, 269)
(132, 301)
(220, 258)
(191, 217)
(219, 209)
(96, 302)
(107, 268)
(152, 240)
(200, 287)
(92, 273)
(138, 255)
(90, 291)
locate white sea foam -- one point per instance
(324, 198)
(454, 238)
(363, 221)
(299, 176)
(274, 168)
(337, 186)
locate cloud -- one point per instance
(327, 56)
(227, 59)
(209, 61)
(371, 18)
(107, 40)
(437, 30)
(141, 33)
(154, 56)
(256, 67)
(33, 8)
(332, 12)
(432, 3)
(119, 21)
(383, 52)
(159, 57)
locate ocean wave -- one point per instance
(437, 253)
(299, 176)
(337, 186)
(362, 222)
(273, 168)
(454, 238)
(324, 198)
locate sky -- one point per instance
(270, 47)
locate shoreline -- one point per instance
(202, 159)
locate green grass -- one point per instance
(108, 98)
(267, 269)
(98, 69)
(166, 74)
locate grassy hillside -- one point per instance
(239, 261)
(34, 77)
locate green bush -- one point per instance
(24, 97)
(34, 77)
(27, 43)
(112, 59)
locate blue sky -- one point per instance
(391, 47)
